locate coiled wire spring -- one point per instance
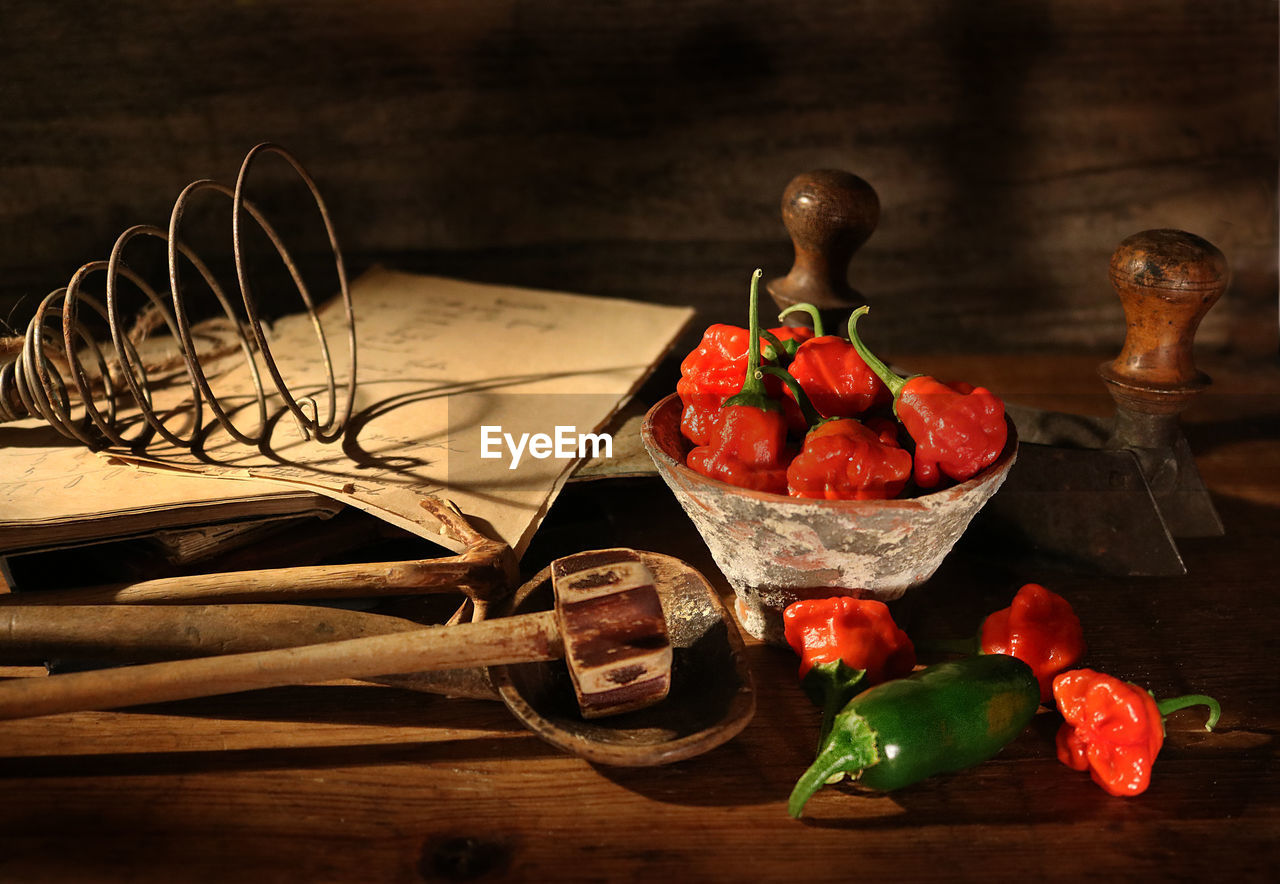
(50, 372)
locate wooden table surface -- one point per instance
(356, 782)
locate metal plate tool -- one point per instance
(1109, 495)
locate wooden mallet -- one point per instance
(607, 624)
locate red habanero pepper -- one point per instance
(845, 645)
(837, 379)
(746, 448)
(958, 430)
(747, 442)
(713, 371)
(1115, 729)
(1040, 629)
(844, 459)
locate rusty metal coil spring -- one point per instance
(33, 384)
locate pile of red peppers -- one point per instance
(889, 723)
(792, 411)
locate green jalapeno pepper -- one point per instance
(942, 718)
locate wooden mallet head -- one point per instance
(614, 632)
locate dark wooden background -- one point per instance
(640, 149)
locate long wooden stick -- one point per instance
(151, 633)
(524, 639)
(294, 584)
(485, 571)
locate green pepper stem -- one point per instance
(753, 323)
(1173, 704)
(753, 392)
(813, 315)
(825, 766)
(831, 686)
(892, 380)
(777, 350)
(850, 750)
(811, 416)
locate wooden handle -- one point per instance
(524, 639)
(1167, 280)
(148, 633)
(829, 215)
(277, 584)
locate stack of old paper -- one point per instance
(483, 395)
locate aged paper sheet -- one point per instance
(453, 376)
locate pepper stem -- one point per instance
(777, 350)
(1173, 704)
(891, 380)
(851, 748)
(811, 416)
(813, 315)
(753, 391)
(831, 686)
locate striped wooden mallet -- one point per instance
(614, 633)
(607, 624)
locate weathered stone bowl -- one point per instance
(775, 550)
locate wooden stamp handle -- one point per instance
(1167, 280)
(829, 215)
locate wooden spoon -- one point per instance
(711, 698)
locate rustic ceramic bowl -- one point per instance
(775, 550)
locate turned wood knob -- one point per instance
(828, 214)
(1167, 280)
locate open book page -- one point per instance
(56, 493)
(484, 395)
